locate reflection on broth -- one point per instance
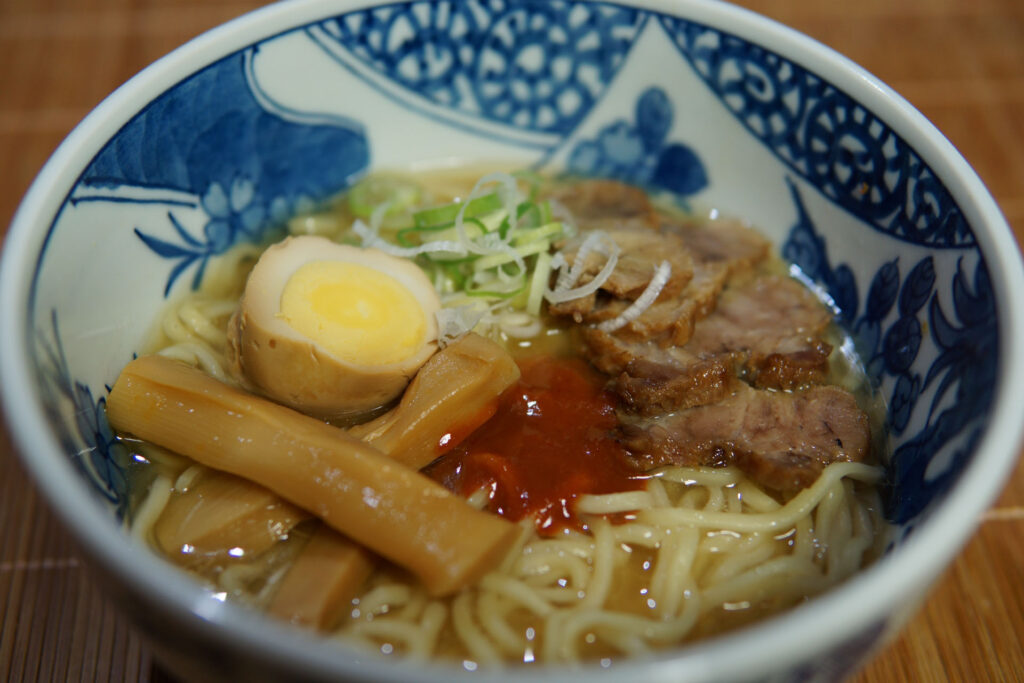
(649, 432)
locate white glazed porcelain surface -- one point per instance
(284, 107)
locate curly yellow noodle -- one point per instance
(516, 591)
(402, 633)
(186, 478)
(492, 611)
(733, 500)
(749, 551)
(600, 579)
(548, 565)
(479, 648)
(613, 502)
(199, 355)
(151, 507)
(672, 591)
(526, 533)
(716, 499)
(658, 493)
(629, 644)
(225, 277)
(701, 476)
(412, 609)
(434, 617)
(640, 535)
(800, 505)
(200, 322)
(713, 545)
(555, 599)
(559, 596)
(237, 577)
(828, 511)
(756, 499)
(381, 599)
(803, 540)
(761, 581)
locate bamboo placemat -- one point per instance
(960, 61)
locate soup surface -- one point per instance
(673, 429)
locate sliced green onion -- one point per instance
(451, 257)
(539, 283)
(491, 249)
(398, 193)
(438, 233)
(445, 215)
(545, 212)
(500, 259)
(527, 210)
(508, 192)
(325, 224)
(454, 274)
(545, 232)
(529, 215)
(492, 221)
(495, 293)
(533, 179)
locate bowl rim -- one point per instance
(865, 598)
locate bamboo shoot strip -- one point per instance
(322, 581)
(455, 392)
(217, 512)
(394, 511)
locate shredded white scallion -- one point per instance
(568, 277)
(519, 325)
(494, 275)
(658, 281)
(600, 242)
(509, 192)
(539, 283)
(377, 216)
(456, 321)
(562, 213)
(370, 238)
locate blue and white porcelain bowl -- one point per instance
(221, 140)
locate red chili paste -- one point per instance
(549, 442)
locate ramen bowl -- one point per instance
(271, 114)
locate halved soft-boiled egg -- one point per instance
(332, 330)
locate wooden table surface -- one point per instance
(961, 62)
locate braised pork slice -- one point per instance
(642, 251)
(776, 323)
(606, 205)
(724, 241)
(718, 251)
(782, 440)
(650, 388)
(670, 320)
(721, 250)
(766, 330)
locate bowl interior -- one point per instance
(221, 142)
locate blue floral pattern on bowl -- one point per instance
(638, 151)
(95, 450)
(538, 66)
(212, 136)
(818, 131)
(967, 347)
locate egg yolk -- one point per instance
(358, 314)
